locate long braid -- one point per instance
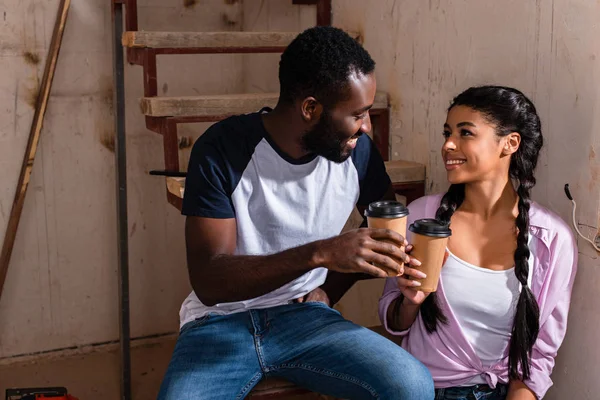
(430, 310)
(450, 202)
(526, 324)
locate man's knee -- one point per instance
(406, 379)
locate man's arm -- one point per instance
(218, 276)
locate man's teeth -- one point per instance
(352, 141)
(452, 162)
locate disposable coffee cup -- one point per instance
(391, 215)
(429, 240)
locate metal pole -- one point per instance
(121, 186)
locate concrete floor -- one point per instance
(93, 373)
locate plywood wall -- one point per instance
(429, 51)
(61, 289)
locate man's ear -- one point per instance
(511, 143)
(311, 110)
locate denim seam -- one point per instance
(248, 386)
(337, 375)
(261, 357)
(257, 345)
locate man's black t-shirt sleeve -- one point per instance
(373, 178)
(207, 187)
(218, 160)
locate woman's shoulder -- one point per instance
(559, 241)
(560, 268)
(543, 218)
(426, 206)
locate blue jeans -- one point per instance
(477, 392)
(310, 344)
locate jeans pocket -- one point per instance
(194, 324)
(497, 394)
(502, 390)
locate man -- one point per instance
(266, 197)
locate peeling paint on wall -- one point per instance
(189, 3)
(31, 58)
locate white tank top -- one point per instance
(484, 303)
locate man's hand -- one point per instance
(356, 251)
(316, 295)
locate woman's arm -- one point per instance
(401, 315)
(387, 302)
(517, 390)
(554, 309)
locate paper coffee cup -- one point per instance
(391, 215)
(429, 240)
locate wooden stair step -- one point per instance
(211, 105)
(221, 42)
(272, 387)
(399, 171)
(186, 40)
(176, 185)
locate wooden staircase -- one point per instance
(164, 114)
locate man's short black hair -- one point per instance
(319, 62)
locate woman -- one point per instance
(492, 329)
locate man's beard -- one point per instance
(324, 140)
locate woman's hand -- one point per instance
(409, 287)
